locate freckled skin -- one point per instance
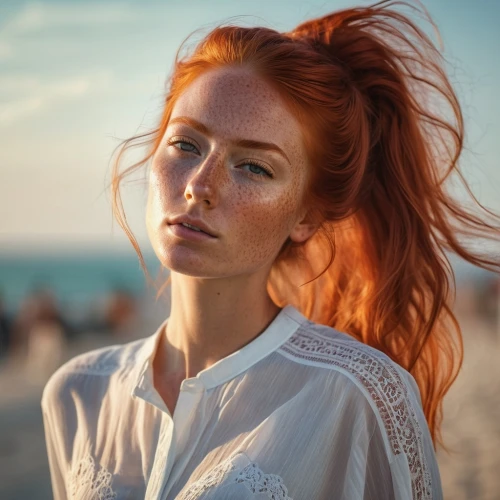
(219, 299)
(253, 214)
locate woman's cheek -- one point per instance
(263, 229)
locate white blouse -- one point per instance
(302, 412)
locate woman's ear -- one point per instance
(304, 229)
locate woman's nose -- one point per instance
(205, 182)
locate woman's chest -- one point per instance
(235, 477)
(224, 448)
(221, 460)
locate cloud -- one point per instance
(18, 84)
(38, 16)
(12, 111)
(54, 41)
(5, 51)
(37, 95)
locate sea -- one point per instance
(75, 279)
(81, 278)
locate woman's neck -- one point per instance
(210, 319)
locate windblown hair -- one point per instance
(384, 131)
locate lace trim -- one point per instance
(258, 482)
(251, 476)
(379, 377)
(90, 481)
(212, 478)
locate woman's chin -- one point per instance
(193, 271)
(184, 261)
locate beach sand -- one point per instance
(471, 430)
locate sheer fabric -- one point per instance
(302, 412)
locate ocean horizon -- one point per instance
(74, 278)
(83, 277)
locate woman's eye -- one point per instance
(257, 169)
(185, 146)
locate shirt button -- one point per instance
(192, 384)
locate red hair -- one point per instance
(384, 131)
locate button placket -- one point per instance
(164, 458)
(190, 397)
(183, 414)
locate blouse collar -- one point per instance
(283, 326)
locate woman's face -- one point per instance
(233, 158)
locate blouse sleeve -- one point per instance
(416, 464)
(401, 462)
(53, 421)
(386, 445)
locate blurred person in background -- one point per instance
(121, 312)
(37, 335)
(488, 300)
(46, 337)
(23, 321)
(297, 191)
(5, 328)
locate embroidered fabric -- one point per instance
(258, 482)
(383, 383)
(90, 481)
(250, 476)
(211, 479)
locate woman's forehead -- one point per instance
(236, 102)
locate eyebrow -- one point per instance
(242, 143)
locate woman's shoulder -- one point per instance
(319, 345)
(91, 369)
(390, 390)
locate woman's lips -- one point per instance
(189, 234)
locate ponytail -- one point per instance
(384, 132)
(390, 282)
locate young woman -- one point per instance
(298, 196)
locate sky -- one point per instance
(78, 76)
